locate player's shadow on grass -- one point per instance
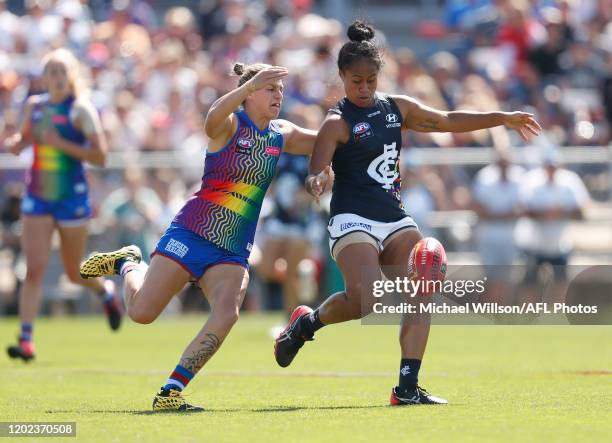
(270, 409)
(102, 411)
(311, 408)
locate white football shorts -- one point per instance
(346, 229)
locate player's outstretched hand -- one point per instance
(316, 184)
(523, 123)
(265, 77)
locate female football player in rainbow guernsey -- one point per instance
(65, 131)
(361, 138)
(210, 239)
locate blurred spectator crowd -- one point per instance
(154, 73)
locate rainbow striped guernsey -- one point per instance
(226, 208)
(55, 176)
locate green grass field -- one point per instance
(539, 383)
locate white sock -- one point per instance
(128, 266)
(139, 268)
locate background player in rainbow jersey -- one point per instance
(65, 131)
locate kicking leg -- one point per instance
(414, 328)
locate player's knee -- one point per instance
(226, 313)
(229, 315)
(35, 273)
(141, 315)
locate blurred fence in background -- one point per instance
(138, 193)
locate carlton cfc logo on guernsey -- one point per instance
(382, 169)
(362, 130)
(244, 145)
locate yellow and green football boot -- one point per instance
(172, 400)
(109, 263)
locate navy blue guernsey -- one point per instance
(367, 179)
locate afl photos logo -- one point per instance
(362, 130)
(393, 121)
(244, 145)
(383, 168)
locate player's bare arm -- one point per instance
(298, 140)
(21, 139)
(333, 132)
(422, 118)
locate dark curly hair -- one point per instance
(360, 46)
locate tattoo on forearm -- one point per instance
(429, 124)
(198, 358)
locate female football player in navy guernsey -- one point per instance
(210, 239)
(65, 131)
(361, 138)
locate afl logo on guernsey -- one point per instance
(362, 130)
(244, 145)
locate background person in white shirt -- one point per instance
(552, 197)
(496, 200)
